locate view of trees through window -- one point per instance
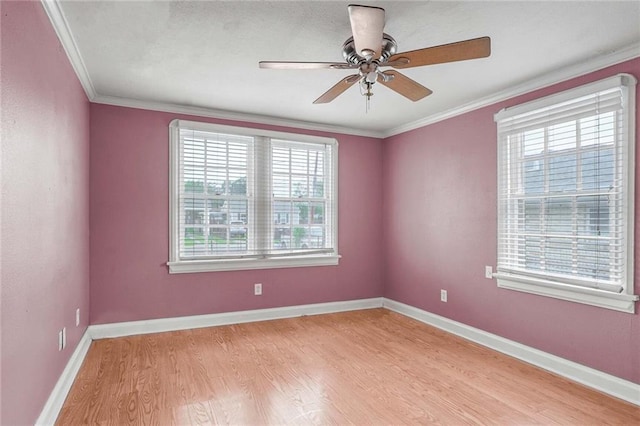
(298, 197)
(217, 216)
(214, 201)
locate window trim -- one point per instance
(623, 301)
(590, 296)
(288, 260)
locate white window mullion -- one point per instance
(262, 196)
(252, 195)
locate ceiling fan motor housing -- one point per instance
(349, 53)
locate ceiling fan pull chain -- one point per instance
(368, 94)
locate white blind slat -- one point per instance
(563, 189)
(242, 196)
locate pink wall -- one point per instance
(436, 187)
(130, 222)
(45, 209)
(440, 231)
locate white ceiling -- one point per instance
(205, 54)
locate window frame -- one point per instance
(624, 300)
(176, 265)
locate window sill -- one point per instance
(604, 299)
(192, 266)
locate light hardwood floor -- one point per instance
(364, 368)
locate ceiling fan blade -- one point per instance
(367, 24)
(305, 65)
(407, 87)
(337, 90)
(459, 51)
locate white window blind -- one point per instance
(214, 202)
(300, 196)
(246, 199)
(565, 192)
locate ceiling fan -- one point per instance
(370, 49)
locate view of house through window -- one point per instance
(568, 173)
(565, 199)
(240, 196)
(214, 199)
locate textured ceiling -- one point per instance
(205, 54)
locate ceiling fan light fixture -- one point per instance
(385, 78)
(371, 77)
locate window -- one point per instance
(565, 195)
(250, 199)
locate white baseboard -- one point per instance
(606, 383)
(60, 391)
(603, 382)
(102, 331)
(53, 405)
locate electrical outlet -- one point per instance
(257, 289)
(64, 337)
(443, 295)
(60, 341)
(488, 272)
(77, 317)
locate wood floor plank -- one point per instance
(364, 367)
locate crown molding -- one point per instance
(61, 27)
(231, 115)
(557, 76)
